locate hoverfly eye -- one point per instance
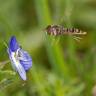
(48, 27)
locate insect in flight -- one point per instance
(56, 30)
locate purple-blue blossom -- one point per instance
(20, 59)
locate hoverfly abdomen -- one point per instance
(67, 31)
(72, 30)
(78, 32)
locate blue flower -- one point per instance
(20, 59)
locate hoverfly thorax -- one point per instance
(53, 30)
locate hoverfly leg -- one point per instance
(53, 41)
(57, 40)
(77, 38)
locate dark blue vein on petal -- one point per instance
(25, 60)
(26, 64)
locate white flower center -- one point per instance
(14, 58)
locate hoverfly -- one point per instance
(56, 30)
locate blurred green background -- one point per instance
(66, 68)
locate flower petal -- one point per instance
(21, 71)
(17, 66)
(26, 64)
(25, 59)
(24, 55)
(13, 44)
